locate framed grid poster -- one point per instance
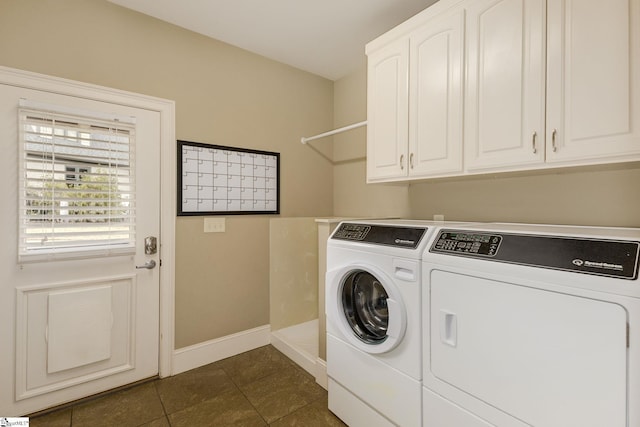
(217, 180)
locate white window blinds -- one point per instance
(77, 188)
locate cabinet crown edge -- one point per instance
(436, 8)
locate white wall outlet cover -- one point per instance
(214, 225)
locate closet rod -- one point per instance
(333, 132)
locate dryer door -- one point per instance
(545, 358)
(366, 307)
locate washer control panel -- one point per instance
(468, 243)
(352, 231)
(387, 235)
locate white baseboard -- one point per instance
(187, 358)
(321, 373)
(315, 366)
(299, 355)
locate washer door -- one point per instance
(367, 308)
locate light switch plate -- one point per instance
(214, 225)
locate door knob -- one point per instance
(149, 265)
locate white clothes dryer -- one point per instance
(527, 325)
(373, 321)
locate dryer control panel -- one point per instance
(602, 257)
(468, 243)
(387, 235)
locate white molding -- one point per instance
(294, 343)
(166, 109)
(301, 357)
(61, 86)
(321, 373)
(167, 237)
(294, 351)
(201, 354)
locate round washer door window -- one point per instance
(364, 303)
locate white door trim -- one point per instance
(166, 109)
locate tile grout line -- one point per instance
(164, 410)
(234, 373)
(245, 396)
(293, 366)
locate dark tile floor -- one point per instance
(261, 387)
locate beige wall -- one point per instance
(605, 196)
(223, 95)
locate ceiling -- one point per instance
(324, 37)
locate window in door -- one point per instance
(76, 185)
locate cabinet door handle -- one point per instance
(553, 140)
(401, 161)
(411, 160)
(534, 136)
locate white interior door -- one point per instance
(75, 326)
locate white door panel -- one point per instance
(593, 80)
(521, 349)
(504, 101)
(435, 112)
(387, 111)
(72, 328)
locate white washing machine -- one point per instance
(373, 321)
(529, 325)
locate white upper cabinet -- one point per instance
(476, 86)
(563, 92)
(414, 101)
(593, 95)
(435, 97)
(505, 93)
(387, 111)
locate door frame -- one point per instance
(166, 109)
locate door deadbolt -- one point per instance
(150, 245)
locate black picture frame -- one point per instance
(222, 180)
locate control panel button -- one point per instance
(352, 232)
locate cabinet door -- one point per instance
(387, 111)
(593, 80)
(504, 102)
(435, 101)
